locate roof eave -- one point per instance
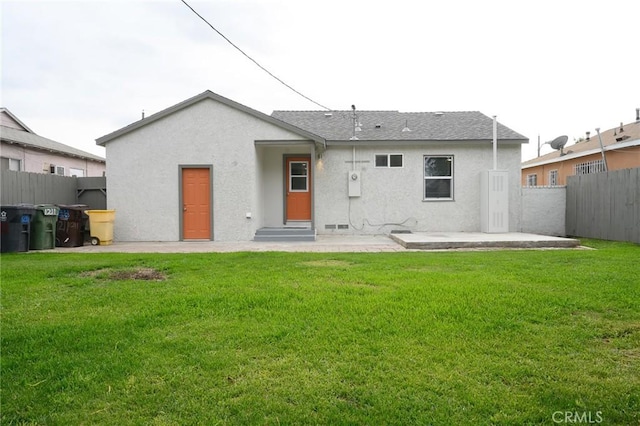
(96, 158)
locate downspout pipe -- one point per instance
(495, 143)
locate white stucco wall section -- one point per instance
(392, 198)
(544, 210)
(143, 172)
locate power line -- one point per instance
(251, 59)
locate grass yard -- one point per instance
(498, 337)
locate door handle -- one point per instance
(184, 208)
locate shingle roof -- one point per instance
(11, 135)
(389, 125)
(630, 132)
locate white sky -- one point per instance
(76, 70)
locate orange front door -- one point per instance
(196, 204)
(298, 186)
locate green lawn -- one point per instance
(497, 337)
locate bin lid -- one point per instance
(48, 209)
(73, 206)
(17, 207)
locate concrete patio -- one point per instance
(479, 240)
(344, 243)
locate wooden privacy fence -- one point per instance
(40, 188)
(604, 205)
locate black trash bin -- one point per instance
(15, 228)
(71, 225)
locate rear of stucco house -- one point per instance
(415, 171)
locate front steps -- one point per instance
(285, 234)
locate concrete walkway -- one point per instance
(341, 243)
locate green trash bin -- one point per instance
(43, 227)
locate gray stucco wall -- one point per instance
(143, 171)
(143, 179)
(543, 210)
(392, 198)
(271, 182)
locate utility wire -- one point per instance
(251, 59)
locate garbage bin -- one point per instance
(15, 227)
(43, 227)
(70, 225)
(101, 226)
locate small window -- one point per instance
(57, 170)
(389, 160)
(532, 180)
(553, 177)
(438, 177)
(12, 164)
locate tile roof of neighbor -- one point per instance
(389, 125)
(610, 140)
(11, 135)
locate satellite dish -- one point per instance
(559, 142)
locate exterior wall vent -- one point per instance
(343, 226)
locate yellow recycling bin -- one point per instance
(101, 226)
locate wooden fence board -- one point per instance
(604, 205)
(41, 188)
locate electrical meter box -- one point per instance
(354, 183)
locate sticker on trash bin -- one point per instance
(48, 211)
(3, 216)
(64, 214)
(25, 219)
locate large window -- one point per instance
(438, 177)
(532, 180)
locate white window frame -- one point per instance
(588, 167)
(58, 170)
(291, 175)
(553, 177)
(532, 179)
(14, 164)
(425, 178)
(388, 156)
(76, 172)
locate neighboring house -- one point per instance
(22, 150)
(621, 151)
(212, 169)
